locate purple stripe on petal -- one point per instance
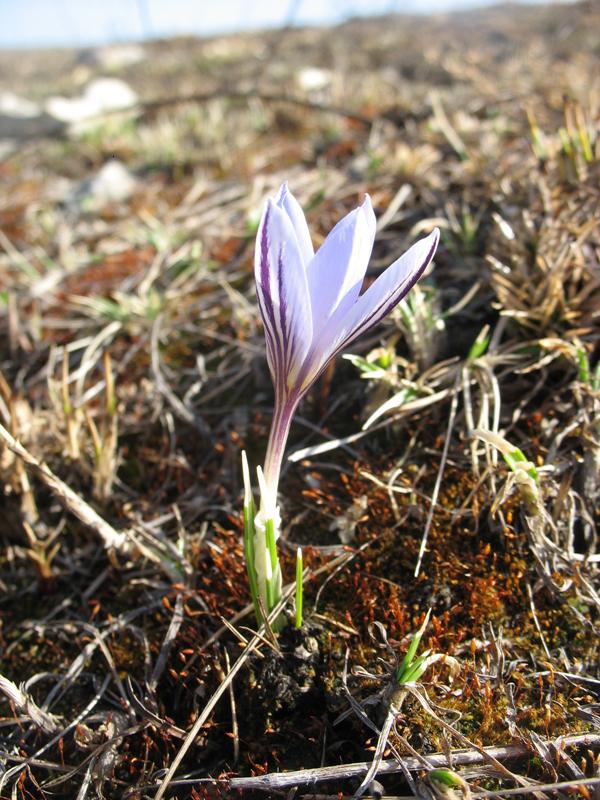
(283, 322)
(282, 293)
(265, 277)
(384, 308)
(379, 299)
(265, 301)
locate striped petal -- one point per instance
(336, 273)
(373, 305)
(286, 201)
(283, 297)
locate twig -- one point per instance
(60, 130)
(284, 780)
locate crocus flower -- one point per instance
(311, 303)
(312, 307)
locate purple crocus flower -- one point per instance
(311, 303)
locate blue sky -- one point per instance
(48, 23)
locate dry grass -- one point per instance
(132, 374)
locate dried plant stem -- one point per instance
(438, 480)
(234, 721)
(285, 780)
(16, 770)
(69, 412)
(398, 695)
(25, 704)
(113, 540)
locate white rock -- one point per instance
(100, 96)
(113, 183)
(313, 79)
(13, 105)
(21, 118)
(109, 93)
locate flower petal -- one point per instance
(283, 298)
(379, 299)
(287, 201)
(336, 273)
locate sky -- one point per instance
(82, 23)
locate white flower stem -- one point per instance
(249, 534)
(261, 530)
